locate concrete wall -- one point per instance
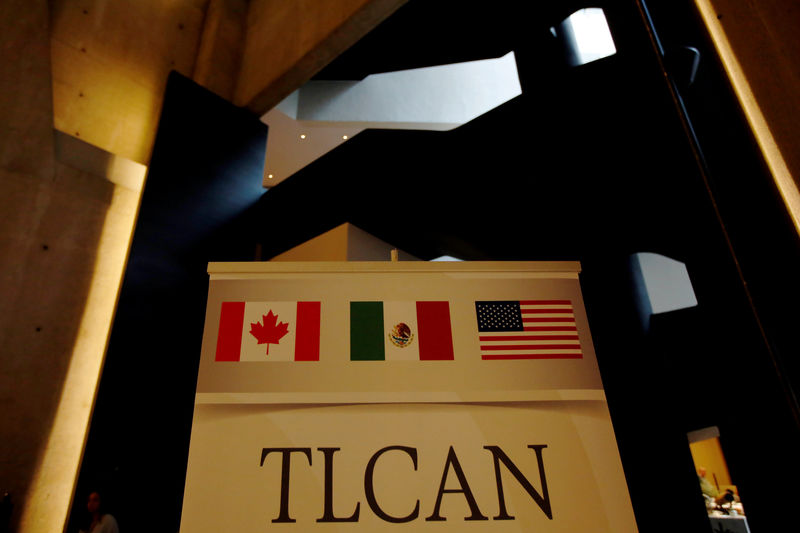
(27, 173)
(111, 58)
(110, 64)
(219, 57)
(96, 71)
(764, 38)
(299, 38)
(760, 48)
(64, 232)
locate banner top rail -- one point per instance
(268, 267)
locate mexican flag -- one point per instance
(400, 331)
(268, 331)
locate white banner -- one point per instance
(447, 397)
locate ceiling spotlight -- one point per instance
(344, 137)
(270, 176)
(303, 136)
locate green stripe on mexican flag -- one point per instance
(400, 331)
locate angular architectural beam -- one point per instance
(760, 51)
(219, 54)
(432, 98)
(661, 284)
(299, 39)
(323, 114)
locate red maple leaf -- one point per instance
(269, 330)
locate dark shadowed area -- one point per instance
(591, 163)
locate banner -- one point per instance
(423, 396)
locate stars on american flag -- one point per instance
(499, 316)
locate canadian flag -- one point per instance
(268, 331)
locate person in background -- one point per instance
(98, 521)
(705, 485)
(714, 499)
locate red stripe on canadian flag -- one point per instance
(268, 331)
(306, 346)
(229, 340)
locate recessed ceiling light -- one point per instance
(269, 177)
(344, 137)
(303, 136)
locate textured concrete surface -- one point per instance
(111, 59)
(299, 38)
(54, 220)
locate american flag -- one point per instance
(527, 329)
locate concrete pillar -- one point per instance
(64, 233)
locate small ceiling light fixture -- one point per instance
(270, 176)
(344, 137)
(303, 136)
